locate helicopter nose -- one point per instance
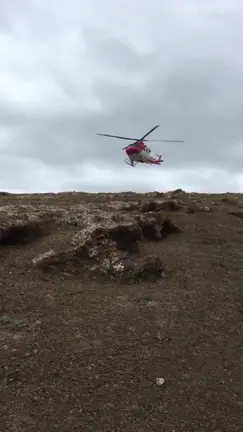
(131, 150)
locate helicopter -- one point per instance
(138, 151)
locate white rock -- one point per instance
(43, 256)
(160, 381)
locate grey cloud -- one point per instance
(189, 82)
(115, 53)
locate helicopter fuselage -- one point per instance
(139, 152)
(137, 148)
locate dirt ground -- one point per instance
(81, 354)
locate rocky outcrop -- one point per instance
(24, 224)
(102, 235)
(165, 204)
(107, 244)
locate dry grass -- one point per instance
(83, 355)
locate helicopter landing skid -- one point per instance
(128, 162)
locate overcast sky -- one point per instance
(69, 69)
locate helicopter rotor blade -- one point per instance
(135, 140)
(117, 136)
(148, 133)
(164, 141)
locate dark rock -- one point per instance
(177, 191)
(170, 227)
(148, 268)
(190, 210)
(5, 193)
(125, 236)
(151, 226)
(21, 233)
(170, 205)
(148, 206)
(238, 214)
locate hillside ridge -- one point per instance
(121, 311)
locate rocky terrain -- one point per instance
(121, 312)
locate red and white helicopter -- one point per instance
(138, 152)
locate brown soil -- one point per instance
(82, 350)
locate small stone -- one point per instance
(190, 210)
(207, 209)
(204, 209)
(160, 381)
(152, 303)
